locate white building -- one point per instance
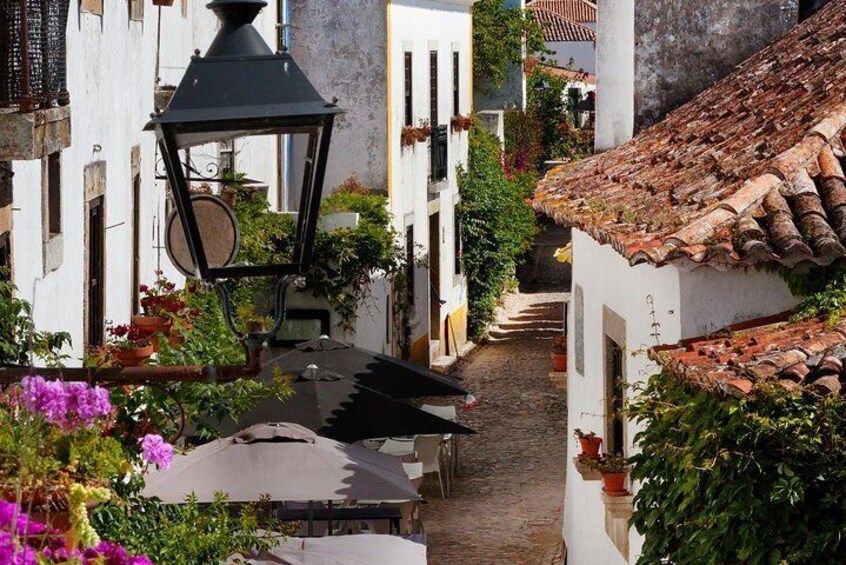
(392, 65)
(83, 223)
(82, 210)
(670, 232)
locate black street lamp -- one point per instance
(240, 88)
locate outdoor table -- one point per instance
(393, 514)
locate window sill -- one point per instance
(436, 187)
(587, 473)
(26, 137)
(618, 513)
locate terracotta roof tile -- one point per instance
(557, 28)
(751, 169)
(809, 354)
(579, 11)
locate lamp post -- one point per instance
(240, 88)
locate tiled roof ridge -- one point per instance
(808, 354)
(785, 167)
(559, 28)
(679, 192)
(587, 7)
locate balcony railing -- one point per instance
(33, 67)
(440, 155)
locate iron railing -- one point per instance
(33, 66)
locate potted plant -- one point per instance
(163, 304)
(162, 2)
(559, 354)
(408, 136)
(467, 122)
(457, 123)
(424, 131)
(589, 443)
(130, 344)
(614, 470)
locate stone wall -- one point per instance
(683, 47)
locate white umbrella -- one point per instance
(285, 461)
(342, 550)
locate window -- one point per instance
(54, 195)
(409, 259)
(96, 272)
(433, 89)
(136, 241)
(440, 155)
(5, 256)
(409, 113)
(456, 82)
(459, 247)
(614, 397)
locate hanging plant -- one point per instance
(408, 137)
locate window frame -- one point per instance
(434, 86)
(408, 94)
(456, 83)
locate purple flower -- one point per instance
(13, 554)
(47, 398)
(113, 554)
(156, 450)
(87, 403)
(10, 514)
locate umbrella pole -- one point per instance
(330, 518)
(310, 518)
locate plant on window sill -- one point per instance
(461, 123)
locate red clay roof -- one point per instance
(808, 354)
(557, 28)
(580, 11)
(575, 76)
(750, 171)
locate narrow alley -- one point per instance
(507, 499)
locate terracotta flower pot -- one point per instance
(614, 484)
(152, 324)
(590, 447)
(559, 362)
(134, 357)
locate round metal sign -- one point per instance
(218, 230)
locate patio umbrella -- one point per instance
(341, 409)
(379, 372)
(341, 550)
(286, 462)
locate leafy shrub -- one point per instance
(497, 227)
(187, 534)
(739, 480)
(499, 36)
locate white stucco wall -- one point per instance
(575, 55)
(421, 26)
(614, 73)
(111, 75)
(686, 304)
(606, 280)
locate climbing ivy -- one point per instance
(498, 40)
(739, 480)
(497, 227)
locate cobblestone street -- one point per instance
(506, 502)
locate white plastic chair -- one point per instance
(428, 450)
(415, 473)
(451, 414)
(398, 447)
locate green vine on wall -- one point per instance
(497, 226)
(739, 480)
(499, 34)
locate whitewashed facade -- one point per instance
(112, 57)
(361, 52)
(611, 301)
